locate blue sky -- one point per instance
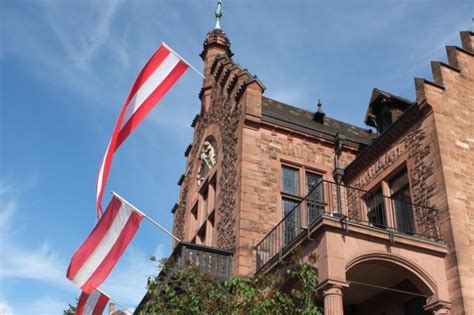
(67, 66)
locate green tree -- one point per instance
(71, 310)
(186, 290)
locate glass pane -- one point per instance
(401, 201)
(315, 199)
(399, 182)
(403, 210)
(290, 180)
(288, 205)
(376, 210)
(291, 221)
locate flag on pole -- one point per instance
(92, 303)
(99, 253)
(159, 74)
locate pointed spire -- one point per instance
(218, 15)
(319, 115)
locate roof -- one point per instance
(303, 121)
(377, 96)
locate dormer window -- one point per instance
(384, 109)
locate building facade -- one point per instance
(386, 218)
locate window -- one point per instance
(194, 220)
(401, 202)
(376, 209)
(290, 181)
(292, 195)
(315, 197)
(203, 214)
(204, 204)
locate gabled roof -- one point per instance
(377, 99)
(303, 121)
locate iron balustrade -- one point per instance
(213, 261)
(371, 209)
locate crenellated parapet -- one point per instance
(457, 73)
(450, 94)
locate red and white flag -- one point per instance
(159, 74)
(99, 253)
(91, 304)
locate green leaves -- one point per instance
(186, 290)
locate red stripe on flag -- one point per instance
(100, 305)
(94, 238)
(114, 254)
(81, 303)
(150, 102)
(152, 65)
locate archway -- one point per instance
(381, 283)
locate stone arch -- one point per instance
(422, 280)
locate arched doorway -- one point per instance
(384, 284)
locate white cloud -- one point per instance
(25, 262)
(5, 309)
(127, 283)
(20, 262)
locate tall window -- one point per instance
(292, 179)
(376, 209)
(315, 198)
(401, 201)
(203, 214)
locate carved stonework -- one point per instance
(208, 158)
(224, 113)
(419, 146)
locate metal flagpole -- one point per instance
(147, 217)
(197, 71)
(115, 301)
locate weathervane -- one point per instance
(218, 15)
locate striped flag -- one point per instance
(91, 304)
(99, 253)
(159, 74)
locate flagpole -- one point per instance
(177, 55)
(147, 217)
(115, 301)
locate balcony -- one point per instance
(210, 260)
(350, 206)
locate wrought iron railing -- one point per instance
(213, 261)
(370, 209)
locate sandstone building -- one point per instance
(386, 218)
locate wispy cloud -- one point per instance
(40, 262)
(127, 283)
(67, 45)
(5, 309)
(43, 263)
(82, 45)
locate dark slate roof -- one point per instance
(303, 121)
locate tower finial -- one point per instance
(218, 15)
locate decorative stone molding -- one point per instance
(208, 158)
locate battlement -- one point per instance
(458, 69)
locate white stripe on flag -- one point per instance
(101, 172)
(158, 76)
(91, 302)
(103, 248)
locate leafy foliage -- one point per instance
(71, 310)
(186, 290)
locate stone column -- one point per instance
(333, 300)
